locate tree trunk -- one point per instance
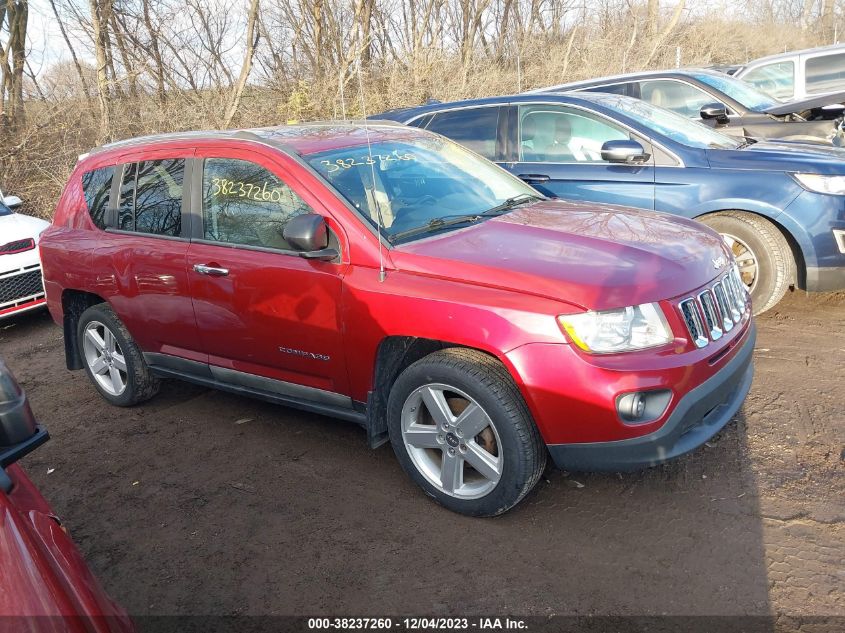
(102, 75)
(246, 67)
(76, 63)
(17, 12)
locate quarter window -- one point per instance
(825, 73)
(615, 89)
(676, 96)
(475, 128)
(244, 203)
(777, 79)
(552, 134)
(151, 197)
(96, 184)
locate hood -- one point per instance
(779, 155)
(590, 255)
(791, 107)
(18, 227)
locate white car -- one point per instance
(21, 285)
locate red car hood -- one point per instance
(45, 584)
(590, 255)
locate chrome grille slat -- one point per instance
(716, 310)
(724, 307)
(711, 314)
(689, 310)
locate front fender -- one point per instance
(759, 207)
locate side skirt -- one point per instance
(275, 391)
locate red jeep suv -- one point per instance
(388, 276)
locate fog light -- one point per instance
(631, 406)
(640, 407)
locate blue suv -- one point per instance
(780, 205)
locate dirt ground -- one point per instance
(201, 502)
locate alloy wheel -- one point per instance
(452, 441)
(105, 358)
(745, 259)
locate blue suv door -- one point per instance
(557, 149)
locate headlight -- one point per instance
(822, 184)
(620, 330)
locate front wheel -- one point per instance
(461, 430)
(765, 260)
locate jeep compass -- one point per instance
(386, 275)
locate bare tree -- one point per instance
(251, 42)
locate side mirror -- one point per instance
(13, 202)
(19, 433)
(623, 151)
(716, 111)
(309, 234)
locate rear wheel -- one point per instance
(112, 360)
(763, 255)
(463, 433)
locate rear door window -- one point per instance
(778, 79)
(151, 197)
(96, 184)
(825, 73)
(674, 95)
(475, 128)
(244, 203)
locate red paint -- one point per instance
(26, 245)
(43, 574)
(497, 286)
(29, 305)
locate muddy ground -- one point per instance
(201, 502)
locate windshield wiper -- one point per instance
(510, 203)
(436, 224)
(748, 141)
(450, 220)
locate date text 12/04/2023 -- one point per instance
(419, 624)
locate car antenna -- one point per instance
(382, 274)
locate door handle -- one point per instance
(534, 179)
(213, 271)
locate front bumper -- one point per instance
(826, 279)
(21, 288)
(697, 417)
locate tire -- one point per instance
(761, 241)
(112, 360)
(482, 475)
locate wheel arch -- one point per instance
(393, 355)
(74, 303)
(797, 251)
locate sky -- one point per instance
(45, 39)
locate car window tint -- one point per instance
(126, 203)
(244, 203)
(475, 128)
(158, 197)
(825, 73)
(778, 79)
(614, 89)
(96, 184)
(555, 134)
(676, 96)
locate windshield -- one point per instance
(738, 90)
(670, 124)
(409, 184)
